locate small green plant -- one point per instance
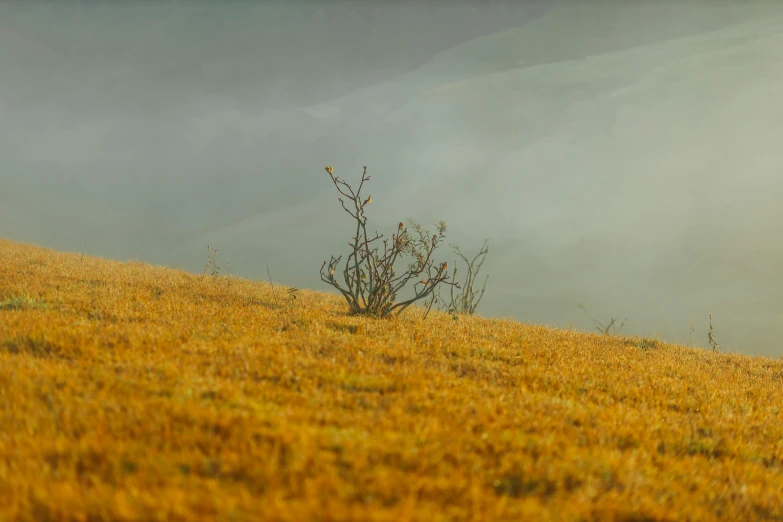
(711, 338)
(212, 261)
(645, 343)
(371, 286)
(609, 327)
(293, 295)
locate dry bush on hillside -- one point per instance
(371, 282)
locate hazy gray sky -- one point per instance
(624, 155)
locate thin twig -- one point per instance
(272, 284)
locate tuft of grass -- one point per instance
(605, 329)
(17, 302)
(33, 345)
(646, 343)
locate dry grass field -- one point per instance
(137, 392)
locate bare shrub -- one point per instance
(371, 283)
(465, 303)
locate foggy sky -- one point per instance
(621, 155)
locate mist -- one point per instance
(621, 155)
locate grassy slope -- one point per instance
(133, 392)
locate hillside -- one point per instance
(137, 392)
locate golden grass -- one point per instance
(135, 392)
